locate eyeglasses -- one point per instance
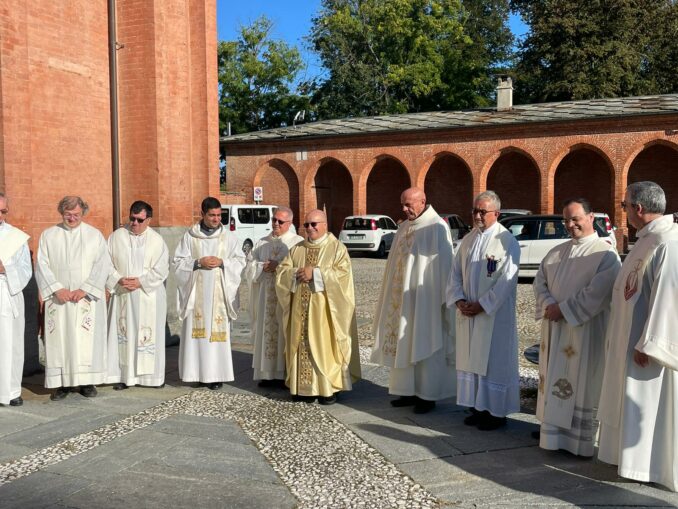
(482, 212)
(278, 221)
(624, 205)
(139, 220)
(72, 216)
(313, 224)
(575, 220)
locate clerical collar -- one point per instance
(588, 238)
(420, 215)
(318, 241)
(489, 229)
(206, 230)
(68, 228)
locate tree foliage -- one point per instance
(256, 75)
(394, 56)
(579, 49)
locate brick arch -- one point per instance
(514, 175)
(281, 185)
(585, 170)
(448, 184)
(384, 180)
(333, 187)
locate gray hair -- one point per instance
(71, 202)
(649, 195)
(490, 196)
(286, 210)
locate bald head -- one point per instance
(315, 224)
(413, 202)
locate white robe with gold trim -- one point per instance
(638, 407)
(18, 269)
(74, 333)
(268, 359)
(207, 358)
(136, 334)
(413, 329)
(578, 276)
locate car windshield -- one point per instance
(357, 223)
(601, 227)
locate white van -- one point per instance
(249, 222)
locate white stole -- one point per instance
(121, 250)
(474, 334)
(12, 240)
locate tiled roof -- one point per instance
(520, 114)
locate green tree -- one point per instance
(580, 49)
(394, 56)
(256, 78)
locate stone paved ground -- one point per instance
(244, 446)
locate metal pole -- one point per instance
(113, 80)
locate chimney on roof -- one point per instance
(504, 93)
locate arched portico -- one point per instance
(387, 179)
(449, 186)
(334, 193)
(516, 179)
(280, 185)
(584, 172)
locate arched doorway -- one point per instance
(281, 187)
(515, 178)
(658, 163)
(584, 173)
(449, 186)
(334, 193)
(386, 182)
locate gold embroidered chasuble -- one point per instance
(321, 336)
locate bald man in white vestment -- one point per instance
(413, 328)
(572, 290)
(15, 272)
(639, 398)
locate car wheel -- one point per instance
(381, 252)
(247, 246)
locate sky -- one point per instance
(291, 22)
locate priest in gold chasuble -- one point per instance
(314, 284)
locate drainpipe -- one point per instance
(113, 86)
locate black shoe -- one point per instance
(89, 391)
(404, 401)
(16, 401)
(491, 423)
(327, 400)
(423, 406)
(536, 435)
(266, 383)
(215, 386)
(119, 387)
(60, 393)
(304, 399)
(476, 417)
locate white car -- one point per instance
(249, 222)
(370, 232)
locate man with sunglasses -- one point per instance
(314, 284)
(138, 304)
(71, 271)
(572, 291)
(15, 272)
(208, 264)
(413, 329)
(482, 286)
(639, 403)
(268, 359)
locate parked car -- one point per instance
(604, 227)
(370, 233)
(458, 228)
(504, 213)
(248, 222)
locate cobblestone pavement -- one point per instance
(248, 447)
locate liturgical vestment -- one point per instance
(74, 333)
(136, 335)
(578, 276)
(413, 328)
(207, 302)
(638, 405)
(485, 270)
(321, 335)
(16, 258)
(268, 359)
